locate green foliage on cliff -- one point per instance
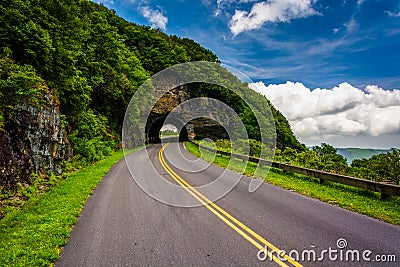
(252, 109)
(94, 61)
(19, 85)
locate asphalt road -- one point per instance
(121, 225)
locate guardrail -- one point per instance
(386, 190)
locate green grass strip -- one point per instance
(34, 235)
(348, 197)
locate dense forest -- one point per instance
(92, 61)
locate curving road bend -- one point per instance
(121, 225)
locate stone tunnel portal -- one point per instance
(198, 128)
(153, 130)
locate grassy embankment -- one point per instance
(351, 198)
(34, 234)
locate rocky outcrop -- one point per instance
(32, 140)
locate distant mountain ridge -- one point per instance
(358, 153)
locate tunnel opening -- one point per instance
(168, 130)
(198, 129)
(168, 110)
(153, 130)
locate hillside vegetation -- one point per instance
(383, 167)
(93, 61)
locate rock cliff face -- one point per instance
(32, 141)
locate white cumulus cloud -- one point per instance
(154, 17)
(270, 11)
(340, 111)
(222, 4)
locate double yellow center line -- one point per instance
(252, 237)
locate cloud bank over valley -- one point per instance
(334, 114)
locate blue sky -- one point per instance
(347, 45)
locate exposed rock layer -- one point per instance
(32, 141)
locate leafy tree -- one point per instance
(382, 167)
(324, 149)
